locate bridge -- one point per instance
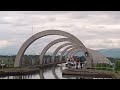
(74, 45)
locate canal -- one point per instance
(49, 73)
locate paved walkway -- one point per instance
(88, 73)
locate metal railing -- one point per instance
(97, 66)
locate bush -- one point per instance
(117, 65)
(104, 66)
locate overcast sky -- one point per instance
(96, 29)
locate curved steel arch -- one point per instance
(51, 44)
(41, 74)
(54, 73)
(75, 47)
(74, 52)
(33, 38)
(68, 52)
(62, 53)
(61, 46)
(88, 61)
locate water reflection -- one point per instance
(41, 74)
(54, 73)
(49, 73)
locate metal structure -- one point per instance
(57, 50)
(71, 49)
(97, 57)
(51, 44)
(33, 38)
(63, 52)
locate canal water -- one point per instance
(49, 73)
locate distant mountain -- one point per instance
(114, 52)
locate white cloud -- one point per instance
(102, 43)
(4, 43)
(96, 29)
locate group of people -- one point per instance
(71, 62)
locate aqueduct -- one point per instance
(72, 40)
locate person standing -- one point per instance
(68, 64)
(77, 62)
(81, 63)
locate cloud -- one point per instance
(102, 43)
(4, 43)
(96, 29)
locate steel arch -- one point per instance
(33, 38)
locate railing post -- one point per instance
(109, 65)
(106, 67)
(95, 66)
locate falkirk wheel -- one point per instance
(33, 38)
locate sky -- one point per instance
(96, 29)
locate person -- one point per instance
(86, 54)
(68, 64)
(77, 63)
(81, 63)
(72, 61)
(85, 62)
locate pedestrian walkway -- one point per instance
(87, 73)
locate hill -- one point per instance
(114, 52)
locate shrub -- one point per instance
(117, 65)
(104, 66)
